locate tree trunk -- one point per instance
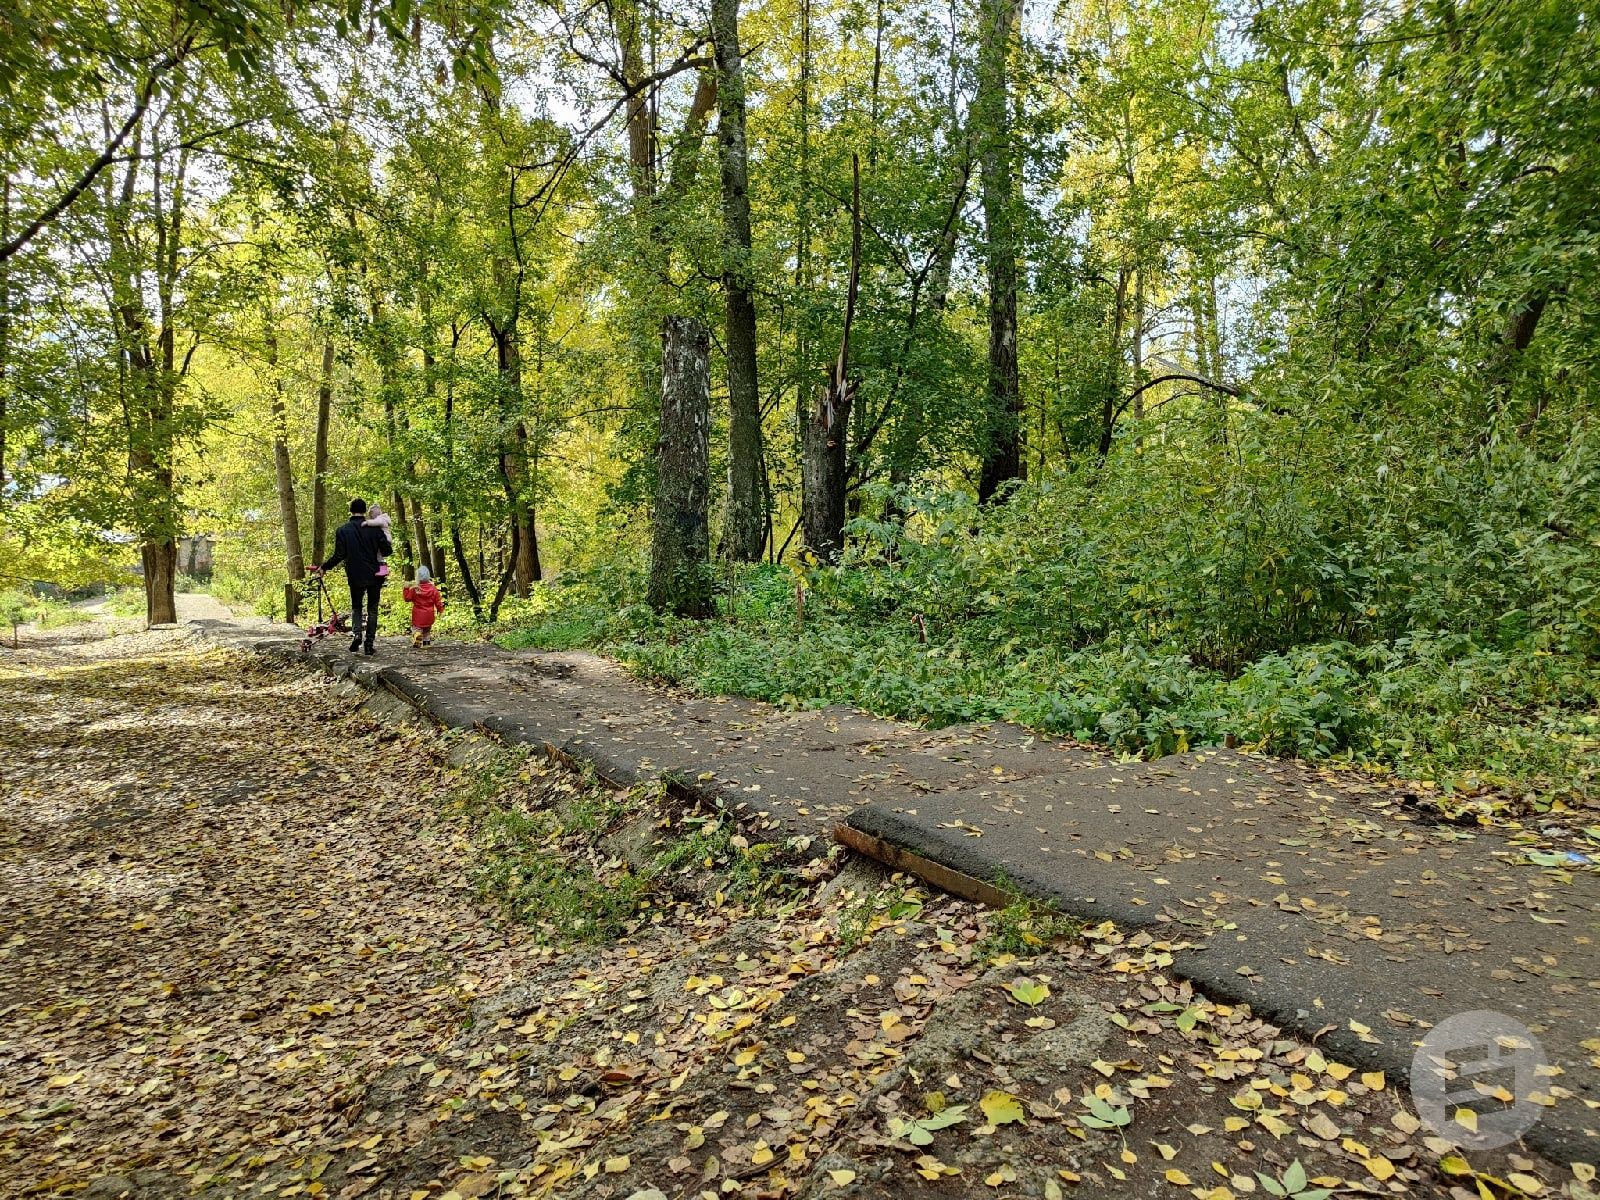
(823, 452)
(288, 508)
(641, 128)
(437, 562)
(745, 530)
(5, 330)
(1515, 338)
(419, 530)
(388, 386)
(802, 233)
(319, 477)
(513, 464)
(822, 468)
(160, 561)
(680, 578)
(150, 373)
(1002, 451)
(1136, 355)
(464, 567)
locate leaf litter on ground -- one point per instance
(255, 943)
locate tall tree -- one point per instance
(1002, 451)
(824, 463)
(680, 579)
(746, 526)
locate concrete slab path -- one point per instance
(1330, 906)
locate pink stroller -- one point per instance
(334, 624)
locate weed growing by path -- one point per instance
(867, 912)
(543, 833)
(1025, 926)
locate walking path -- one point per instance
(1335, 909)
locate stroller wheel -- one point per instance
(305, 645)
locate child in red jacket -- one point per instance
(426, 605)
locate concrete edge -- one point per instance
(1213, 969)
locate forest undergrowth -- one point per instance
(1446, 632)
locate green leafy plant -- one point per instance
(1105, 1115)
(1292, 1184)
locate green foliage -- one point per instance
(16, 608)
(539, 854)
(1174, 599)
(1026, 926)
(542, 835)
(866, 911)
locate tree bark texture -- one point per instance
(319, 467)
(1002, 452)
(824, 460)
(745, 531)
(680, 576)
(526, 570)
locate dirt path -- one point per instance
(225, 907)
(242, 953)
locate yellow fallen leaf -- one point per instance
(1467, 1119)
(1373, 1079)
(1001, 1108)
(842, 1176)
(1322, 1126)
(1176, 1177)
(1379, 1168)
(1273, 1125)
(616, 1166)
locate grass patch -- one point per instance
(541, 829)
(868, 912)
(1025, 926)
(532, 868)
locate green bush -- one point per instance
(1357, 599)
